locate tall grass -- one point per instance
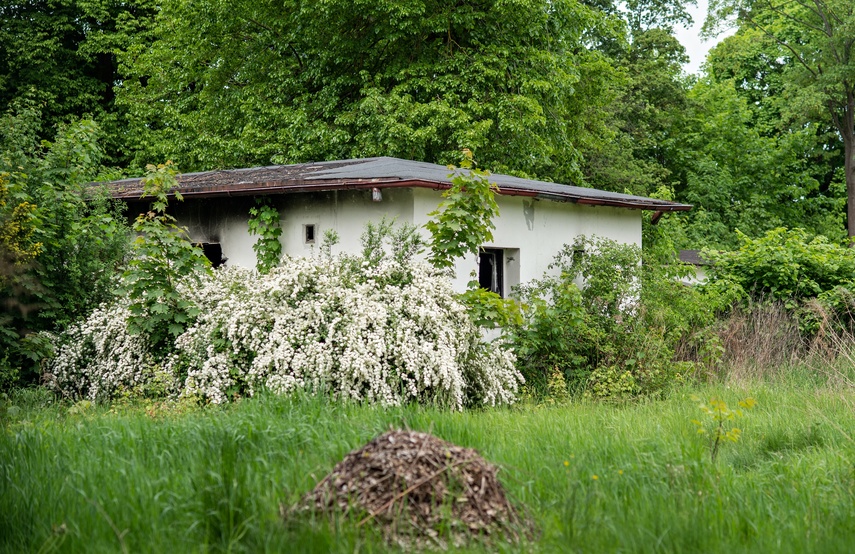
(594, 477)
(761, 338)
(767, 340)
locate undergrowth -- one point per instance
(148, 477)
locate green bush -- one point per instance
(784, 264)
(609, 323)
(810, 276)
(162, 256)
(61, 241)
(577, 329)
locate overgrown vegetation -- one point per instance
(607, 323)
(784, 264)
(153, 477)
(577, 92)
(463, 222)
(380, 328)
(460, 226)
(793, 298)
(61, 243)
(568, 91)
(264, 222)
(614, 327)
(162, 256)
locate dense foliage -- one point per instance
(61, 243)
(162, 255)
(739, 175)
(221, 83)
(589, 93)
(382, 329)
(608, 324)
(62, 55)
(784, 264)
(809, 56)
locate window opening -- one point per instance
(214, 252)
(309, 233)
(491, 271)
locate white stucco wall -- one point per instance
(226, 220)
(538, 229)
(346, 212)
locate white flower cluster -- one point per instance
(381, 333)
(97, 357)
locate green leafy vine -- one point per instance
(264, 222)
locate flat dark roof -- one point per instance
(692, 257)
(369, 173)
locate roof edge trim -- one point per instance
(292, 187)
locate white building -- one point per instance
(536, 218)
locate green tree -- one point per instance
(815, 51)
(242, 83)
(647, 105)
(61, 242)
(739, 177)
(754, 65)
(62, 55)
(643, 15)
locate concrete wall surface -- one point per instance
(529, 231)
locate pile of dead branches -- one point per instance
(420, 490)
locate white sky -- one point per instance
(691, 38)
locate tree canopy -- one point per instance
(587, 92)
(219, 83)
(61, 55)
(61, 243)
(809, 67)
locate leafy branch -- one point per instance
(461, 224)
(162, 255)
(464, 220)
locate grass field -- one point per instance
(594, 477)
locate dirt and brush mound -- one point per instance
(420, 490)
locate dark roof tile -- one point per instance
(375, 172)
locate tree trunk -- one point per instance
(848, 133)
(849, 172)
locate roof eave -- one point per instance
(290, 187)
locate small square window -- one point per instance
(309, 233)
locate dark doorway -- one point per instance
(491, 262)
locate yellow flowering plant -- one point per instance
(718, 421)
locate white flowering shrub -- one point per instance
(384, 331)
(98, 357)
(385, 334)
